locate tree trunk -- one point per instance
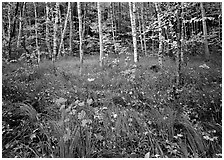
(47, 30)
(36, 32)
(80, 36)
(182, 33)
(160, 52)
(143, 28)
(61, 32)
(22, 8)
(9, 30)
(178, 57)
(204, 31)
(100, 33)
(55, 32)
(70, 29)
(112, 27)
(140, 32)
(132, 10)
(64, 30)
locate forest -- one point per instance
(111, 79)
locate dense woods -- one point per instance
(111, 79)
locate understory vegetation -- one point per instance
(121, 110)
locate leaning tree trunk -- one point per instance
(36, 32)
(47, 31)
(157, 5)
(55, 32)
(100, 33)
(80, 36)
(132, 10)
(64, 30)
(204, 31)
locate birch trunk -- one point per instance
(178, 54)
(112, 27)
(140, 32)
(20, 24)
(143, 28)
(100, 33)
(80, 36)
(55, 32)
(157, 5)
(36, 32)
(132, 10)
(9, 30)
(47, 30)
(61, 31)
(204, 30)
(64, 30)
(182, 33)
(70, 30)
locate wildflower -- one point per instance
(91, 79)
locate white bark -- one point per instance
(132, 10)
(100, 34)
(64, 30)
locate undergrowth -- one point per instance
(121, 110)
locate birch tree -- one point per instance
(47, 30)
(55, 31)
(80, 36)
(140, 32)
(143, 28)
(113, 27)
(64, 29)
(36, 32)
(100, 33)
(9, 30)
(182, 33)
(70, 29)
(204, 30)
(178, 53)
(22, 8)
(157, 5)
(132, 10)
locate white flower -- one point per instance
(91, 79)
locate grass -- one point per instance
(120, 110)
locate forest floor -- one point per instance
(124, 110)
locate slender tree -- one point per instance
(70, 29)
(182, 32)
(143, 27)
(22, 8)
(100, 33)
(178, 53)
(47, 30)
(64, 30)
(61, 32)
(157, 5)
(55, 31)
(132, 10)
(140, 32)
(112, 26)
(36, 32)
(204, 30)
(80, 36)
(9, 30)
